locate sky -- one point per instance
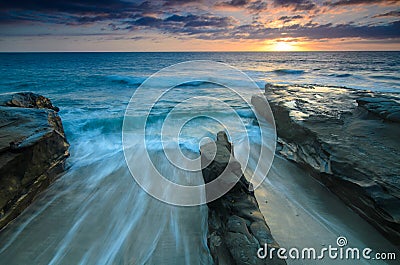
(199, 25)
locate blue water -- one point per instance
(96, 214)
(98, 86)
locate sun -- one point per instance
(283, 47)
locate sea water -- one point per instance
(97, 214)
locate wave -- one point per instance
(137, 81)
(104, 204)
(288, 72)
(130, 80)
(196, 84)
(245, 113)
(340, 75)
(385, 77)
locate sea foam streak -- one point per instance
(98, 205)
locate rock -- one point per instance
(33, 149)
(28, 100)
(385, 108)
(236, 227)
(348, 140)
(393, 116)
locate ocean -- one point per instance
(93, 89)
(96, 213)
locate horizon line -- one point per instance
(198, 51)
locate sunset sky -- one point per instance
(199, 25)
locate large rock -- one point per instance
(33, 149)
(349, 141)
(236, 227)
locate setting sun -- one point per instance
(283, 47)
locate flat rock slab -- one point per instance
(236, 227)
(349, 140)
(33, 149)
(383, 107)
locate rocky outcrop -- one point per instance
(385, 108)
(348, 140)
(236, 227)
(27, 100)
(33, 149)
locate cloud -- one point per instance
(391, 30)
(315, 31)
(180, 2)
(173, 18)
(389, 14)
(252, 6)
(234, 3)
(148, 21)
(296, 4)
(359, 2)
(258, 5)
(68, 6)
(287, 19)
(73, 11)
(215, 27)
(183, 25)
(200, 21)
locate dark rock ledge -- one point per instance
(33, 149)
(348, 140)
(236, 227)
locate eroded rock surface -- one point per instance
(237, 228)
(33, 149)
(349, 140)
(385, 108)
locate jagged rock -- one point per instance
(33, 149)
(356, 154)
(27, 100)
(237, 228)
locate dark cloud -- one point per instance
(178, 18)
(235, 3)
(252, 6)
(286, 19)
(68, 6)
(172, 17)
(238, 2)
(359, 2)
(389, 14)
(391, 30)
(180, 2)
(215, 27)
(257, 5)
(296, 4)
(186, 25)
(315, 31)
(148, 21)
(195, 21)
(73, 11)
